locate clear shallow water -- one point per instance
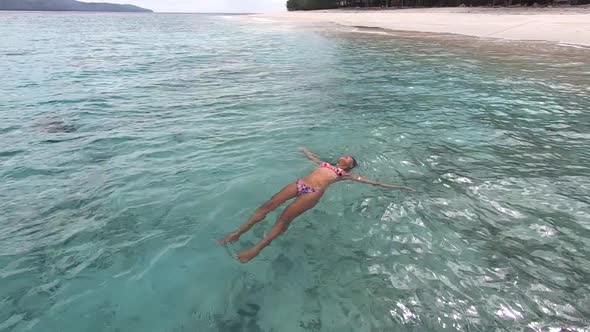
(130, 143)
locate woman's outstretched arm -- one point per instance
(358, 178)
(311, 155)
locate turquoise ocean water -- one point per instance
(130, 143)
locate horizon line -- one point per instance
(124, 12)
(224, 13)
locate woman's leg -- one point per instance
(301, 204)
(281, 197)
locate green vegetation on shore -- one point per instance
(329, 4)
(311, 4)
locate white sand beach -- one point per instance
(568, 25)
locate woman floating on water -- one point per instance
(308, 191)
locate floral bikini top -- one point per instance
(337, 170)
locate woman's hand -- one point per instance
(361, 179)
(310, 155)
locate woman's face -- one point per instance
(346, 162)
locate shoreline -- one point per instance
(562, 25)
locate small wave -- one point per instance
(263, 20)
(371, 31)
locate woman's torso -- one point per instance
(323, 176)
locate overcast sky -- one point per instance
(218, 6)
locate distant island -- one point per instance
(68, 5)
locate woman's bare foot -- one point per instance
(246, 256)
(232, 237)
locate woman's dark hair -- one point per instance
(354, 163)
